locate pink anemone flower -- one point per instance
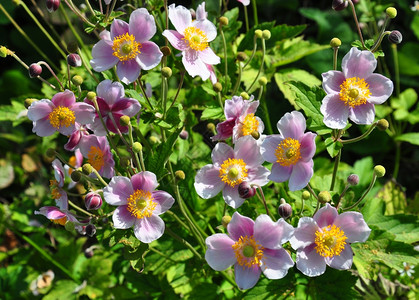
(112, 106)
(354, 91)
(139, 204)
(291, 151)
(253, 247)
(98, 153)
(75, 161)
(74, 139)
(61, 114)
(128, 47)
(192, 38)
(60, 216)
(244, 2)
(56, 185)
(229, 168)
(326, 239)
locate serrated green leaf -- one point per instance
(411, 137)
(333, 147)
(405, 100)
(62, 289)
(7, 174)
(212, 113)
(11, 112)
(393, 197)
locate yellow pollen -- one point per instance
(72, 162)
(248, 252)
(61, 116)
(288, 152)
(55, 192)
(330, 241)
(354, 92)
(196, 38)
(125, 47)
(233, 171)
(95, 158)
(61, 221)
(141, 204)
(250, 124)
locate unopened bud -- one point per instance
(324, 197)
(72, 47)
(263, 81)
(88, 253)
(241, 56)
(93, 201)
(353, 179)
(391, 12)
(52, 5)
(305, 195)
(154, 140)
(3, 51)
(158, 115)
(225, 220)
(217, 87)
(50, 152)
(125, 161)
(282, 201)
(395, 37)
(76, 176)
(91, 96)
(29, 101)
(90, 230)
(245, 95)
(211, 127)
(379, 171)
(382, 124)
(184, 135)
(124, 120)
(166, 50)
(180, 175)
(74, 60)
(335, 43)
(137, 147)
(246, 190)
(35, 70)
(223, 21)
(266, 34)
(258, 33)
(77, 80)
(166, 72)
(339, 4)
(285, 210)
(69, 226)
(87, 169)
(255, 134)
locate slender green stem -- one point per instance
(220, 100)
(161, 254)
(183, 224)
(110, 116)
(86, 66)
(140, 165)
(396, 68)
(70, 25)
(225, 57)
(374, 177)
(164, 96)
(255, 46)
(80, 209)
(184, 242)
(239, 76)
(246, 18)
(255, 12)
(379, 40)
(140, 83)
(341, 195)
(74, 9)
(335, 169)
(89, 6)
(52, 72)
(68, 76)
(182, 76)
(312, 192)
(302, 207)
(99, 177)
(267, 118)
(397, 161)
(261, 65)
(357, 23)
(335, 58)
(262, 199)
(364, 135)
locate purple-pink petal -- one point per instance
(224, 130)
(357, 63)
(149, 229)
(300, 175)
(208, 56)
(325, 216)
(122, 218)
(208, 182)
(102, 57)
(335, 111)
(246, 278)
(65, 98)
(240, 226)
(279, 232)
(194, 65)
(246, 148)
(208, 28)
(40, 109)
(127, 106)
(85, 113)
(268, 147)
(362, 114)
(292, 125)
(307, 146)
(150, 56)
(342, 261)
(233, 108)
(332, 81)
(305, 234)
(380, 87)
(220, 254)
(43, 128)
(276, 263)
(128, 71)
(110, 92)
(258, 175)
(164, 200)
(175, 39)
(353, 225)
(180, 17)
(220, 153)
(142, 25)
(146, 181)
(118, 190)
(51, 212)
(309, 262)
(118, 28)
(231, 196)
(280, 173)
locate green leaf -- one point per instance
(212, 113)
(393, 197)
(405, 100)
(136, 256)
(62, 289)
(11, 112)
(333, 147)
(134, 94)
(411, 137)
(7, 174)
(408, 59)
(272, 289)
(415, 25)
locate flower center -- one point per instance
(95, 157)
(250, 124)
(330, 241)
(61, 116)
(72, 163)
(248, 252)
(233, 171)
(354, 92)
(125, 47)
(196, 38)
(60, 221)
(141, 204)
(55, 191)
(288, 152)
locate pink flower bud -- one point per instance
(246, 190)
(52, 5)
(35, 70)
(93, 201)
(353, 179)
(395, 37)
(184, 135)
(74, 60)
(90, 230)
(285, 210)
(339, 4)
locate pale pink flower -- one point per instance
(244, 2)
(229, 168)
(252, 247)
(291, 151)
(61, 217)
(326, 239)
(139, 204)
(354, 91)
(74, 139)
(98, 153)
(75, 161)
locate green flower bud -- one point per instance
(154, 140)
(379, 171)
(125, 120)
(211, 127)
(335, 43)
(180, 175)
(158, 115)
(77, 80)
(324, 197)
(29, 101)
(282, 201)
(245, 96)
(137, 147)
(241, 56)
(305, 195)
(255, 134)
(87, 169)
(217, 87)
(225, 220)
(383, 124)
(166, 72)
(258, 33)
(263, 81)
(3, 51)
(391, 12)
(223, 21)
(165, 50)
(91, 96)
(69, 226)
(266, 34)
(50, 152)
(75, 176)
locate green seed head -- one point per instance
(391, 12)
(379, 171)
(335, 43)
(324, 197)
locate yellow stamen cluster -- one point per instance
(60, 221)
(141, 204)
(55, 191)
(248, 252)
(288, 152)
(354, 92)
(95, 157)
(330, 241)
(61, 116)
(72, 162)
(250, 124)
(196, 38)
(233, 171)
(125, 47)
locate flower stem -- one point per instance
(364, 135)
(246, 18)
(335, 169)
(255, 46)
(239, 76)
(225, 57)
(80, 209)
(341, 195)
(267, 118)
(261, 197)
(396, 69)
(52, 72)
(255, 12)
(182, 76)
(335, 58)
(184, 242)
(261, 66)
(99, 177)
(220, 100)
(396, 161)
(374, 177)
(357, 23)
